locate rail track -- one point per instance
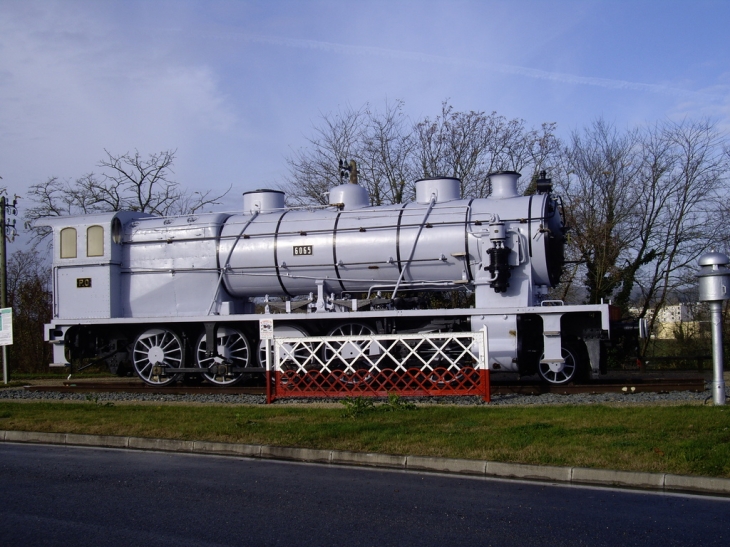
(614, 385)
(498, 387)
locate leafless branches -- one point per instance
(471, 145)
(644, 205)
(29, 294)
(125, 182)
(392, 151)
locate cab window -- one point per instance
(95, 241)
(68, 243)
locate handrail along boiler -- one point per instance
(174, 295)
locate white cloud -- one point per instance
(718, 111)
(539, 74)
(72, 84)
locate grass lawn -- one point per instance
(688, 440)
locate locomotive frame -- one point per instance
(174, 296)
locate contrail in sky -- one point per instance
(453, 61)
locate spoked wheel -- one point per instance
(291, 354)
(156, 355)
(348, 355)
(563, 373)
(233, 354)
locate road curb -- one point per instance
(446, 465)
(562, 475)
(623, 479)
(544, 473)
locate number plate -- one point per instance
(83, 282)
(300, 250)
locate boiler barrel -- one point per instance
(285, 253)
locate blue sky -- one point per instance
(235, 86)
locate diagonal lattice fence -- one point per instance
(433, 364)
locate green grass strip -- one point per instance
(688, 440)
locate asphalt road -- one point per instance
(53, 495)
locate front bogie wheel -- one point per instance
(572, 369)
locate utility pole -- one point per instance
(3, 280)
(3, 258)
(4, 226)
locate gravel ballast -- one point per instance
(673, 397)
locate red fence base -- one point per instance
(407, 383)
(270, 389)
(486, 385)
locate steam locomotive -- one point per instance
(173, 295)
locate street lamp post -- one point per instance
(714, 280)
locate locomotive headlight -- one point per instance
(497, 231)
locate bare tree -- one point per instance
(126, 182)
(599, 184)
(392, 152)
(29, 294)
(386, 155)
(314, 170)
(683, 180)
(471, 145)
(643, 205)
(724, 205)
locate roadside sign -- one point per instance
(266, 329)
(6, 326)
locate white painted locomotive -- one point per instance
(155, 293)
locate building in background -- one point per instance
(670, 318)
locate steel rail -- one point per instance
(620, 385)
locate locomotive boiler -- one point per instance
(171, 294)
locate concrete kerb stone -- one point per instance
(654, 481)
(35, 437)
(684, 483)
(164, 445)
(296, 454)
(342, 457)
(109, 441)
(227, 449)
(446, 465)
(528, 472)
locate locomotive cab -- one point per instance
(86, 269)
(87, 260)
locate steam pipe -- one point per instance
(415, 242)
(227, 263)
